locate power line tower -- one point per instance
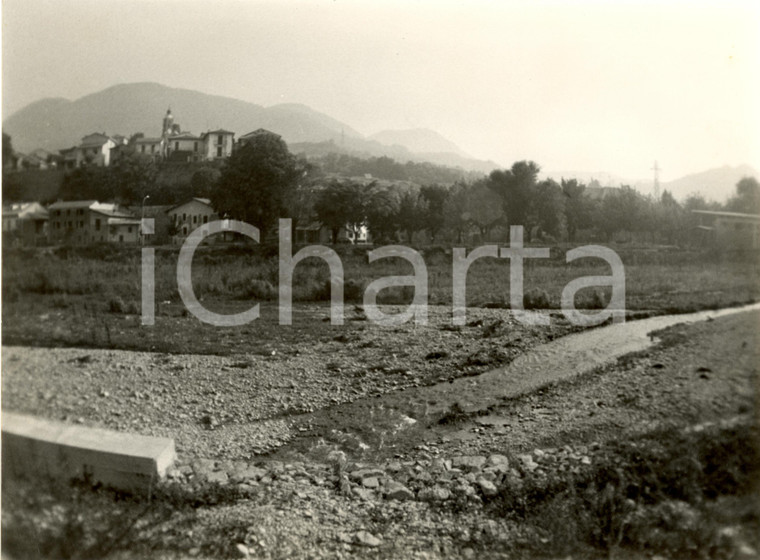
(656, 170)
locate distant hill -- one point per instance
(420, 140)
(125, 109)
(714, 184)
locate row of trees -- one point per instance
(263, 181)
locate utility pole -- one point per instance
(656, 170)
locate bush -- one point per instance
(536, 298)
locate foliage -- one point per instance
(517, 188)
(340, 204)
(258, 181)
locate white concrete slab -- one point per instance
(39, 447)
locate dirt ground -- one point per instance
(329, 486)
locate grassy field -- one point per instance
(91, 296)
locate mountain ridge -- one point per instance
(58, 123)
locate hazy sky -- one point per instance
(574, 86)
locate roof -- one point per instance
(96, 139)
(148, 140)
(184, 136)
(119, 221)
(219, 131)
(257, 132)
(737, 215)
(66, 204)
(205, 201)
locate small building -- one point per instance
(95, 149)
(729, 230)
(25, 224)
(188, 216)
(82, 222)
(217, 144)
(149, 147)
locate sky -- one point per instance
(582, 86)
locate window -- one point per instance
(220, 139)
(129, 229)
(57, 212)
(142, 148)
(195, 219)
(205, 219)
(184, 217)
(218, 151)
(81, 223)
(176, 146)
(121, 239)
(68, 212)
(97, 224)
(153, 148)
(195, 146)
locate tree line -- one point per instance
(263, 181)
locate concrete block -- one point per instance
(33, 446)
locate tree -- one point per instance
(7, 151)
(340, 204)
(382, 213)
(456, 216)
(482, 207)
(619, 211)
(516, 187)
(747, 197)
(578, 207)
(204, 180)
(435, 198)
(549, 207)
(411, 207)
(257, 182)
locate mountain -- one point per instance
(716, 184)
(125, 109)
(420, 140)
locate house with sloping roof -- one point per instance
(95, 149)
(189, 216)
(81, 222)
(25, 224)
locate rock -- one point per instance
(203, 467)
(365, 538)
(219, 477)
(469, 462)
(363, 493)
(397, 491)
(361, 474)
(487, 487)
(434, 494)
(496, 459)
(371, 482)
(242, 550)
(527, 462)
(585, 460)
(248, 473)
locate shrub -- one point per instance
(536, 298)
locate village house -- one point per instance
(188, 216)
(82, 222)
(25, 224)
(729, 230)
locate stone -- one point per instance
(371, 482)
(397, 491)
(469, 462)
(242, 550)
(361, 474)
(366, 538)
(434, 494)
(219, 477)
(247, 473)
(487, 487)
